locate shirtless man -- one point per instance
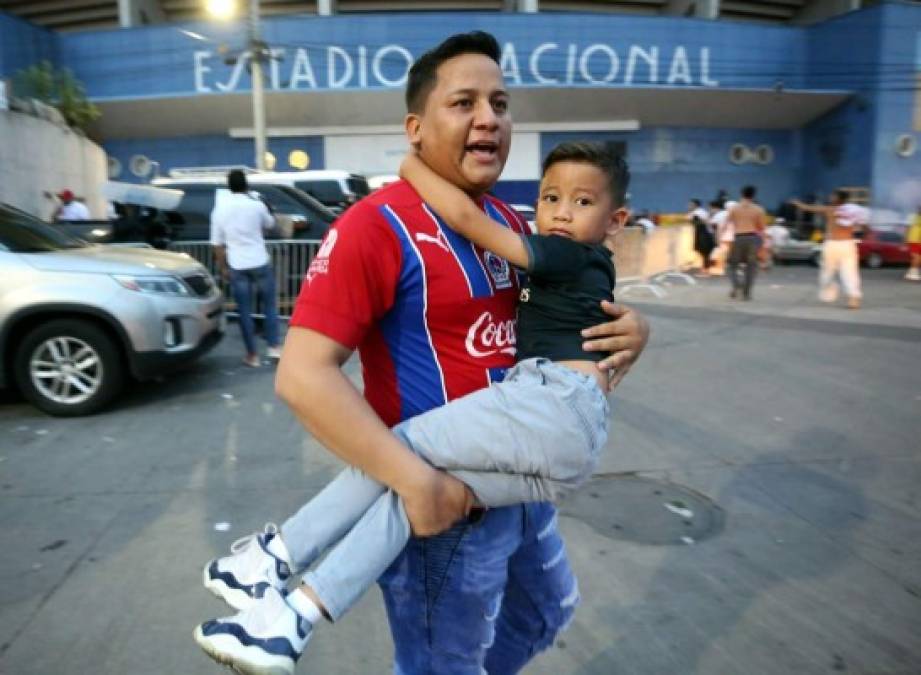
(748, 220)
(839, 252)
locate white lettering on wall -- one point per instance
(509, 64)
(680, 68)
(382, 54)
(651, 57)
(596, 64)
(535, 63)
(614, 64)
(200, 70)
(302, 71)
(705, 69)
(334, 54)
(235, 74)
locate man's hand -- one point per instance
(625, 337)
(437, 504)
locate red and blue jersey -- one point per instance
(432, 315)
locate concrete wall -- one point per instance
(37, 156)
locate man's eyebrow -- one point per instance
(472, 91)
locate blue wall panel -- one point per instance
(669, 166)
(23, 44)
(211, 150)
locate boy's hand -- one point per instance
(439, 503)
(625, 337)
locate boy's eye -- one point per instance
(463, 102)
(501, 105)
(583, 201)
(549, 198)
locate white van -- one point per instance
(333, 188)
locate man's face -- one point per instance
(464, 132)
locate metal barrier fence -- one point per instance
(290, 260)
(642, 260)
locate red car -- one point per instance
(883, 247)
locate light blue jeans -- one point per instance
(531, 438)
(262, 281)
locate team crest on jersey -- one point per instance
(498, 270)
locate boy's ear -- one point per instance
(413, 126)
(616, 221)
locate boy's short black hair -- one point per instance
(597, 154)
(841, 195)
(424, 72)
(236, 181)
(749, 191)
(695, 202)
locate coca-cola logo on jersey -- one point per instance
(487, 336)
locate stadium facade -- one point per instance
(696, 105)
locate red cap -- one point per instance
(65, 195)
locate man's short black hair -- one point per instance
(236, 181)
(749, 192)
(597, 154)
(841, 195)
(424, 72)
(695, 202)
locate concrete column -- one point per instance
(326, 7)
(707, 9)
(139, 13)
(528, 6)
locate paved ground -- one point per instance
(757, 511)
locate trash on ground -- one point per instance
(222, 526)
(679, 508)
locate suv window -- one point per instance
(359, 186)
(192, 218)
(327, 191)
(894, 237)
(22, 233)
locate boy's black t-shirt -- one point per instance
(566, 282)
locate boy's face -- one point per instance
(575, 202)
(464, 132)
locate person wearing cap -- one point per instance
(70, 208)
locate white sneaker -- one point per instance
(273, 352)
(913, 275)
(266, 639)
(250, 569)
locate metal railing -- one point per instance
(644, 262)
(290, 260)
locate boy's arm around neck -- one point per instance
(462, 214)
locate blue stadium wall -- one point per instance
(864, 52)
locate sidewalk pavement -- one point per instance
(756, 509)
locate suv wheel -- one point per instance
(874, 261)
(68, 367)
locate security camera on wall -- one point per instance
(140, 166)
(906, 145)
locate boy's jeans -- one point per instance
(242, 283)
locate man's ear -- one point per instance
(413, 126)
(616, 221)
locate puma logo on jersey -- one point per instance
(525, 295)
(438, 240)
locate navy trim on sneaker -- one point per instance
(281, 567)
(229, 580)
(277, 646)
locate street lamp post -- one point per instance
(258, 53)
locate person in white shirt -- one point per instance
(70, 208)
(237, 225)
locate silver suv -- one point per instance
(77, 319)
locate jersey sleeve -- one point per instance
(352, 280)
(554, 258)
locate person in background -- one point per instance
(703, 237)
(840, 258)
(70, 208)
(645, 221)
(238, 224)
(748, 221)
(722, 231)
(913, 239)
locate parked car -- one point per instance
(191, 220)
(335, 189)
(787, 248)
(77, 319)
(883, 247)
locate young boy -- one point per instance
(532, 437)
